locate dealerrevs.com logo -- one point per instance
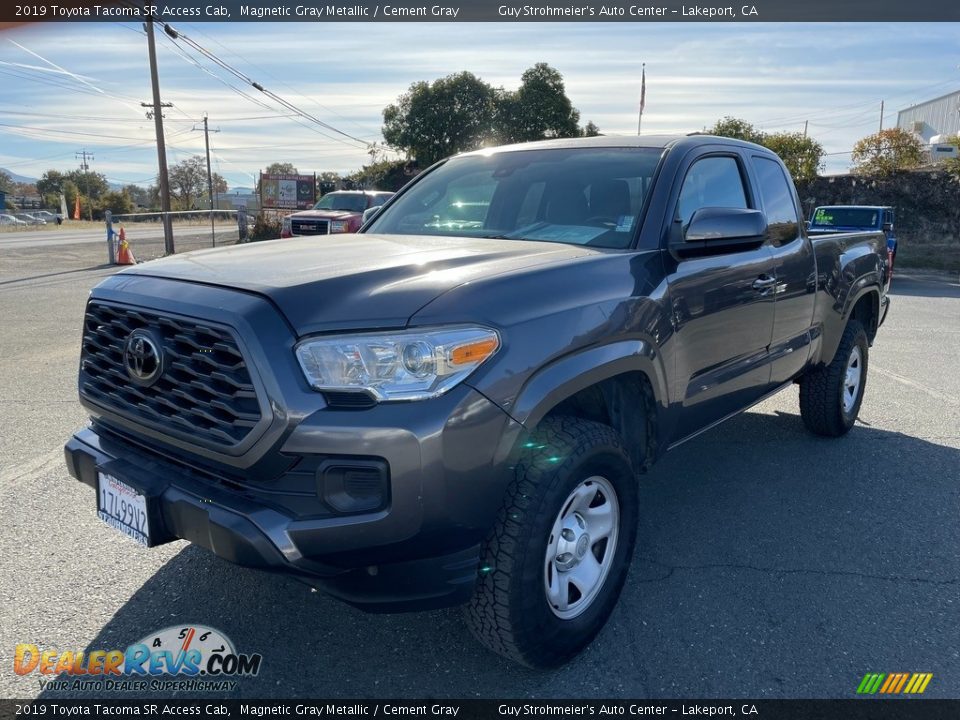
(176, 658)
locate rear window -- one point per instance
(846, 217)
(353, 202)
(581, 196)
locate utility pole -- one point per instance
(163, 180)
(806, 124)
(206, 141)
(643, 97)
(881, 116)
(83, 156)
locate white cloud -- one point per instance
(776, 76)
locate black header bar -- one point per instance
(854, 709)
(486, 11)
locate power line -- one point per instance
(287, 85)
(175, 35)
(295, 117)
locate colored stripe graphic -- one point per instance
(894, 683)
(870, 683)
(903, 681)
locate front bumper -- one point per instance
(420, 551)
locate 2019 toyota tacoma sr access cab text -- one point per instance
(431, 413)
(337, 212)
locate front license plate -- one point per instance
(123, 508)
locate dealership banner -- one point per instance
(288, 192)
(485, 11)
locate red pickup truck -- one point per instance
(336, 212)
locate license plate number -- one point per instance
(123, 508)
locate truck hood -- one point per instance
(355, 281)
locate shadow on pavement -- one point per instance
(945, 285)
(769, 563)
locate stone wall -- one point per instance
(927, 203)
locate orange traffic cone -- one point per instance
(124, 253)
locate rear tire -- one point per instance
(831, 395)
(555, 562)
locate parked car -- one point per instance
(31, 219)
(828, 219)
(428, 413)
(46, 215)
(10, 220)
(336, 212)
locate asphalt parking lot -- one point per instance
(770, 563)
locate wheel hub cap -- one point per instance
(581, 547)
(851, 380)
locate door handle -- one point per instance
(764, 282)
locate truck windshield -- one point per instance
(846, 217)
(342, 201)
(582, 196)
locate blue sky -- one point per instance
(775, 76)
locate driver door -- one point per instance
(722, 304)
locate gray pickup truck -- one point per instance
(436, 412)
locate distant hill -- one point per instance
(18, 178)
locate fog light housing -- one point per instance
(354, 486)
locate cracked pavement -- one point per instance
(770, 563)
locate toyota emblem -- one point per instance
(143, 358)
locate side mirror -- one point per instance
(719, 230)
(369, 213)
(807, 224)
(888, 227)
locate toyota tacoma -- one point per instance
(436, 412)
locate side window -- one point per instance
(782, 219)
(711, 182)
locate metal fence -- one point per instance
(191, 229)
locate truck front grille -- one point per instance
(310, 227)
(204, 392)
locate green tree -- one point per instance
(590, 129)
(6, 182)
(538, 110)
(140, 196)
(327, 182)
(736, 128)
(117, 202)
(802, 155)
(886, 152)
(51, 183)
(93, 185)
(188, 181)
(281, 168)
(382, 175)
(433, 120)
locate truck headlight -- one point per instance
(340, 226)
(403, 365)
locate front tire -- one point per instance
(556, 560)
(830, 396)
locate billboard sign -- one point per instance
(288, 192)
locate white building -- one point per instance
(937, 118)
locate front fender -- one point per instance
(571, 373)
